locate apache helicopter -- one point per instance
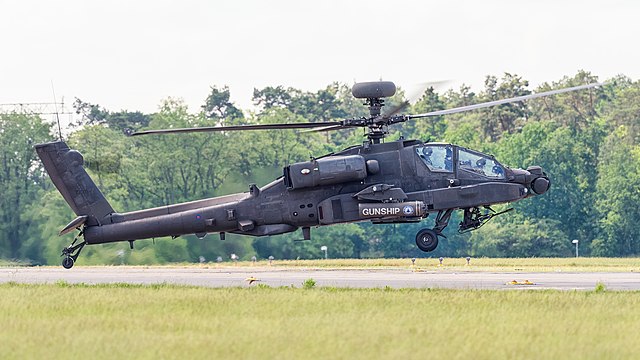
(383, 182)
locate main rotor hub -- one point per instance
(374, 92)
(375, 105)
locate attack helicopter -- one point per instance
(401, 181)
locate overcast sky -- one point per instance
(132, 54)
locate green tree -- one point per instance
(21, 177)
(277, 148)
(432, 128)
(218, 106)
(271, 97)
(618, 196)
(568, 160)
(575, 110)
(525, 237)
(503, 118)
(93, 114)
(179, 168)
(622, 106)
(287, 246)
(48, 214)
(342, 241)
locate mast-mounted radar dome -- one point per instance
(373, 89)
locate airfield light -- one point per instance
(234, 257)
(468, 260)
(202, 259)
(324, 248)
(254, 258)
(413, 261)
(219, 259)
(441, 259)
(271, 259)
(576, 242)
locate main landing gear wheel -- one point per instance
(427, 240)
(67, 262)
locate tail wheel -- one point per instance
(427, 240)
(67, 262)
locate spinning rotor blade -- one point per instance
(327, 128)
(396, 109)
(503, 101)
(414, 96)
(238, 128)
(373, 123)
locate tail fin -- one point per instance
(68, 175)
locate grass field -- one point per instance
(149, 322)
(583, 264)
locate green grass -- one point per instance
(149, 322)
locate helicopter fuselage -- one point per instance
(385, 183)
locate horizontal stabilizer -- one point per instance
(75, 223)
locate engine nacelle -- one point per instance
(326, 171)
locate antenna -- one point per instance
(56, 107)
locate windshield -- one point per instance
(479, 163)
(436, 157)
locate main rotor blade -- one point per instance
(326, 128)
(238, 128)
(503, 101)
(413, 97)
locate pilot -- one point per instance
(498, 171)
(426, 155)
(481, 163)
(448, 160)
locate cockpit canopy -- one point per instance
(442, 157)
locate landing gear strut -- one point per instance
(72, 252)
(442, 220)
(427, 239)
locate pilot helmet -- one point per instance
(481, 162)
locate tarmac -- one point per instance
(348, 278)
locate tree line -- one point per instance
(587, 141)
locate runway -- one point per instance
(275, 277)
